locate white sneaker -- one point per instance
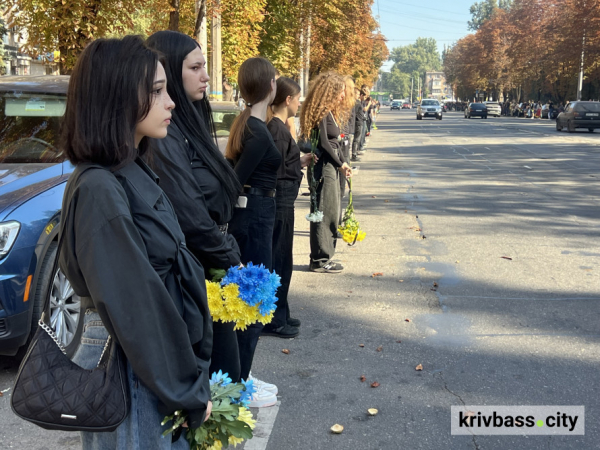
(263, 386)
(262, 399)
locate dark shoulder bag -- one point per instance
(55, 393)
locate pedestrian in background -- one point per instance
(347, 132)
(256, 162)
(359, 119)
(123, 250)
(289, 177)
(321, 115)
(198, 180)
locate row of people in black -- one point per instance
(153, 205)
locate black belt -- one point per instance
(260, 192)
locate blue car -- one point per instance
(33, 175)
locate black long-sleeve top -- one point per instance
(290, 168)
(350, 128)
(359, 115)
(125, 255)
(329, 143)
(259, 161)
(198, 200)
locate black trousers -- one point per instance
(225, 354)
(356, 142)
(283, 246)
(252, 228)
(323, 235)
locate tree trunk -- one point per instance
(174, 15)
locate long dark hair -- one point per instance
(194, 119)
(254, 80)
(286, 87)
(109, 93)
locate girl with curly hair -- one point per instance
(321, 116)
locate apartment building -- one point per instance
(435, 83)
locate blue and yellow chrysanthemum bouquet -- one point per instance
(244, 295)
(230, 422)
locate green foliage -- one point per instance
(422, 56)
(3, 31)
(484, 10)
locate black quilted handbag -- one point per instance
(57, 394)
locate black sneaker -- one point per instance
(355, 158)
(328, 267)
(293, 322)
(285, 332)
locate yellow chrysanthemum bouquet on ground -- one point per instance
(244, 295)
(350, 228)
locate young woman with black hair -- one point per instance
(289, 177)
(123, 250)
(256, 161)
(198, 180)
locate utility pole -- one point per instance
(216, 68)
(412, 87)
(306, 66)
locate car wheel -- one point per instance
(570, 127)
(440, 117)
(65, 306)
(558, 127)
(485, 117)
(591, 130)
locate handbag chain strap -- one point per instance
(52, 334)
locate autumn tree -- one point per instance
(67, 24)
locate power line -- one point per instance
(429, 8)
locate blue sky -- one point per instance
(403, 21)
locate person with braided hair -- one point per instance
(321, 117)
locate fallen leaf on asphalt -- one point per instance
(350, 292)
(380, 348)
(361, 345)
(401, 281)
(377, 274)
(506, 257)
(337, 428)
(419, 367)
(373, 196)
(407, 320)
(435, 284)
(405, 211)
(363, 378)
(1, 394)
(286, 351)
(417, 217)
(372, 411)
(424, 237)
(374, 384)
(417, 229)
(387, 201)
(398, 342)
(457, 261)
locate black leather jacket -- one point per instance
(124, 253)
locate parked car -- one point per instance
(429, 107)
(579, 115)
(406, 105)
(33, 176)
(494, 109)
(476, 110)
(395, 105)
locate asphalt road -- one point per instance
(503, 216)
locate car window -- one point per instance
(588, 107)
(223, 120)
(29, 125)
(429, 103)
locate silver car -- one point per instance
(429, 107)
(493, 109)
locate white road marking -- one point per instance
(265, 419)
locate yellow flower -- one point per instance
(245, 416)
(215, 300)
(216, 446)
(235, 441)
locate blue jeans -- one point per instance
(141, 430)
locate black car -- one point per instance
(476, 110)
(395, 105)
(579, 115)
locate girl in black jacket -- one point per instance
(196, 177)
(123, 250)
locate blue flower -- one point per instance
(257, 286)
(220, 378)
(246, 393)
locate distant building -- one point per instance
(18, 63)
(435, 83)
